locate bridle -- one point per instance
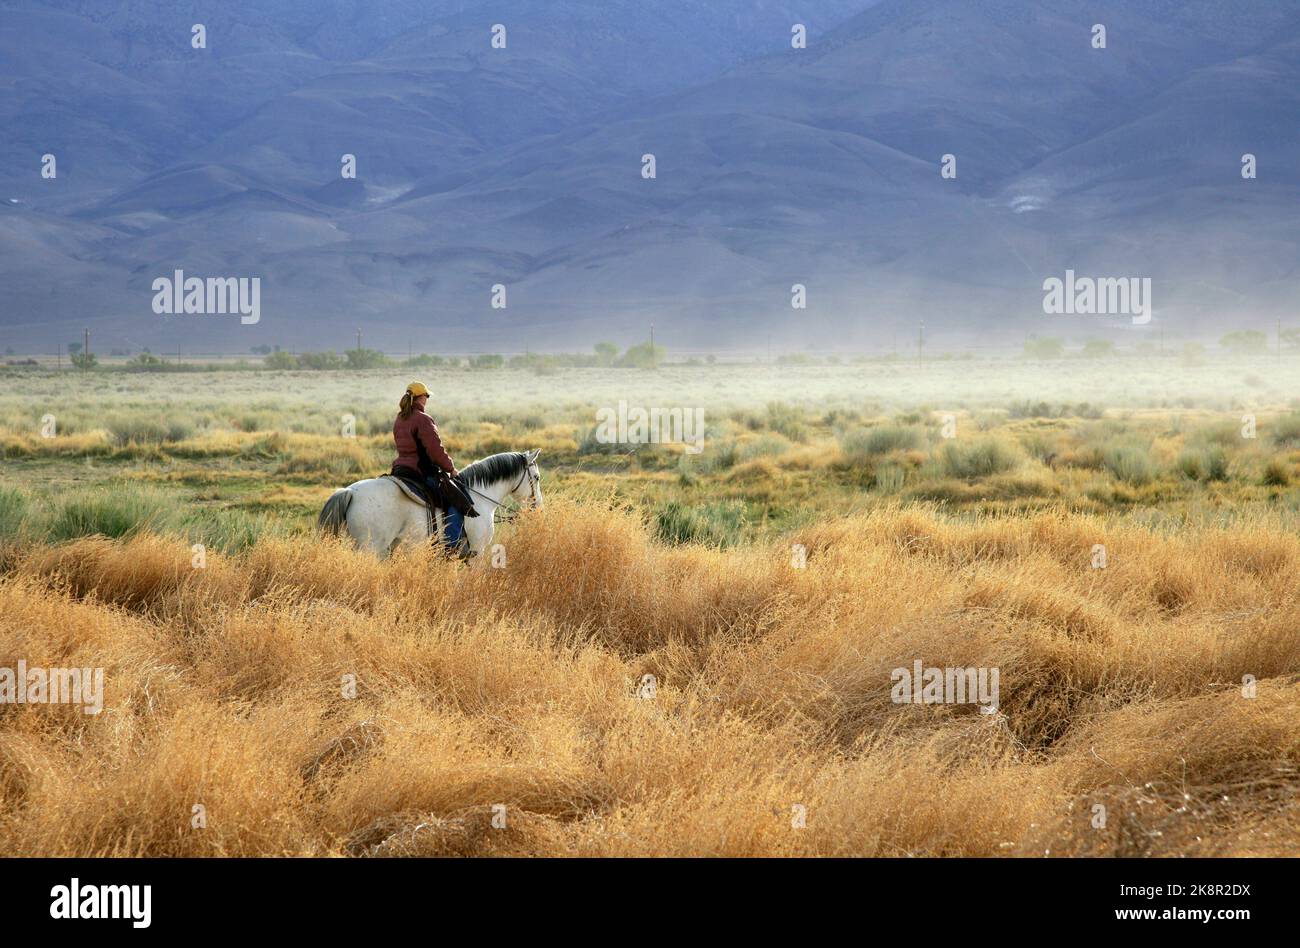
(532, 482)
(497, 505)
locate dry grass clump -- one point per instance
(506, 711)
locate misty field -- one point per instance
(1120, 541)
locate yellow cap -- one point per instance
(416, 389)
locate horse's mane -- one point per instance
(496, 467)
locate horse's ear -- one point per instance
(532, 455)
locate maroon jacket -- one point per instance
(419, 427)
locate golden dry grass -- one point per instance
(518, 687)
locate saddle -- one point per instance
(435, 497)
(444, 493)
(453, 536)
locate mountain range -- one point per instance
(522, 167)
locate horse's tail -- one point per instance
(334, 515)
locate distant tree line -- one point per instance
(603, 354)
(644, 355)
(1238, 342)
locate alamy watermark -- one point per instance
(946, 685)
(37, 685)
(181, 295)
(1102, 296)
(624, 425)
(75, 900)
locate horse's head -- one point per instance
(529, 487)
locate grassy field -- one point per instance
(840, 522)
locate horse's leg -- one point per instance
(478, 533)
(414, 529)
(376, 540)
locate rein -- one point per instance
(497, 505)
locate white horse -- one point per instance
(380, 516)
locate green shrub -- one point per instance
(424, 360)
(786, 420)
(720, 456)
(1001, 487)
(642, 356)
(1041, 445)
(716, 524)
(321, 360)
(590, 443)
(524, 423)
(872, 442)
(1208, 463)
(1044, 348)
(1129, 461)
(1029, 409)
(1224, 433)
(144, 362)
(143, 429)
(1276, 473)
(1097, 349)
(280, 360)
(1245, 341)
(255, 421)
(336, 460)
(1286, 430)
(14, 510)
(230, 531)
(270, 445)
(980, 458)
(764, 446)
(890, 478)
(366, 359)
(119, 512)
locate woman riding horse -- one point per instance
(420, 455)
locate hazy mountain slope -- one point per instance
(289, 86)
(792, 169)
(817, 166)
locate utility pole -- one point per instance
(652, 346)
(358, 340)
(58, 356)
(85, 352)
